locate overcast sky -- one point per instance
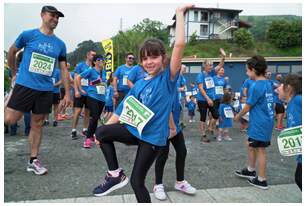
(101, 21)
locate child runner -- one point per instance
(226, 114)
(96, 95)
(178, 143)
(191, 105)
(260, 106)
(156, 94)
(291, 92)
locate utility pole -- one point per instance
(118, 56)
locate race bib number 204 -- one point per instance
(290, 141)
(136, 114)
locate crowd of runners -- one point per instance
(142, 105)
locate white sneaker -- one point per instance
(228, 138)
(159, 192)
(190, 120)
(185, 187)
(219, 138)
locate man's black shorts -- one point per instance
(79, 102)
(25, 99)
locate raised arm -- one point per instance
(179, 44)
(221, 64)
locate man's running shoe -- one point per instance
(36, 167)
(245, 173)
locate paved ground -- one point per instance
(74, 171)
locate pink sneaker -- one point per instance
(87, 143)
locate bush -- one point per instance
(243, 38)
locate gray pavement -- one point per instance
(74, 171)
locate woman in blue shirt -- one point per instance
(96, 95)
(291, 92)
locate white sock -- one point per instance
(251, 169)
(114, 173)
(261, 179)
(84, 129)
(73, 130)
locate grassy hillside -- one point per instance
(210, 48)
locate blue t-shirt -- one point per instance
(176, 111)
(95, 79)
(225, 122)
(109, 96)
(136, 73)
(294, 115)
(122, 74)
(81, 67)
(191, 106)
(208, 85)
(41, 54)
(194, 90)
(180, 83)
(220, 85)
(261, 117)
(157, 94)
(247, 84)
(55, 78)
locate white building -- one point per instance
(209, 23)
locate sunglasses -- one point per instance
(99, 59)
(132, 58)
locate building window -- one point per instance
(283, 69)
(195, 14)
(296, 68)
(272, 69)
(204, 16)
(195, 69)
(203, 30)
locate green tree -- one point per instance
(193, 39)
(283, 34)
(243, 38)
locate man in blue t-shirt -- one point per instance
(136, 74)
(120, 80)
(43, 50)
(80, 98)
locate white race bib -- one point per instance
(41, 64)
(195, 92)
(228, 112)
(209, 82)
(219, 90)
(101, 89)
(136, 114)
(124, 81)
(53, 80)
(290, 141)
(84, 82)
(247, 115)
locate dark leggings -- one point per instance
(146, 153)
(178, 143)
(298, 175)
(95, 109)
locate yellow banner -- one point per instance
(107, 45)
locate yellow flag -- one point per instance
(107, 45)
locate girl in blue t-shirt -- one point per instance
(259, 104)
(191, 105)
(291, 92)
(154, 93)
(226, 115)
